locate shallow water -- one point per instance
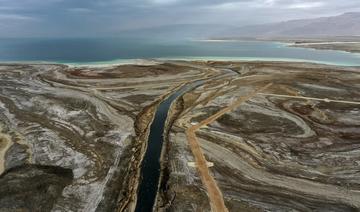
(119, 50)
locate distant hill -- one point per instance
(347, 24)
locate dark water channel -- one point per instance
(150, 169)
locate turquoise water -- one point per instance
(109, 51)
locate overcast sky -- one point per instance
(78, 18)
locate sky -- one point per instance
(99, 18)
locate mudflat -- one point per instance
(274, 136)
(83, 129)
(290, 147)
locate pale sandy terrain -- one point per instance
(253, 136)
(291, 147)
(78, 133)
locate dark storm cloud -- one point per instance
(74, 18)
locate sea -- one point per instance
(84, 51)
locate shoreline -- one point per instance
(156, 61)
(348, 47)
(321, 44)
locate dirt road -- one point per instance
(311, 98)
(215, 195)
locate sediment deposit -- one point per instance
(265, 136)
(72, 138)
(291, 147)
